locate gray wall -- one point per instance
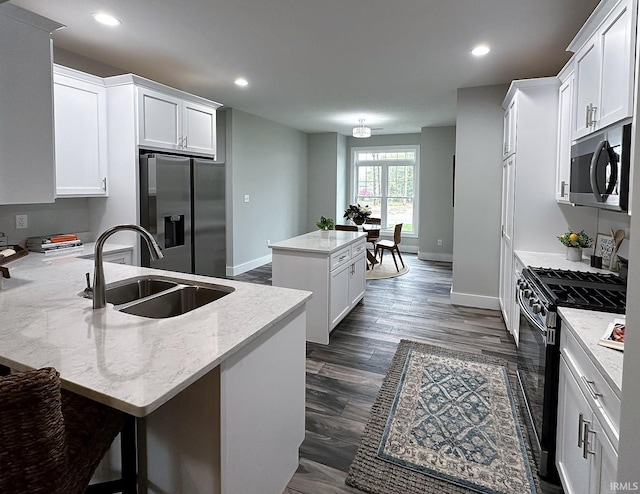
(62, 216)
(478, 185)
(326, 177)
(267, 161)
(437, 148)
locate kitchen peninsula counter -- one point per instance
(237, 362)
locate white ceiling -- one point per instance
(320, 65)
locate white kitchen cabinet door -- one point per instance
(27, 168)
(604, 72)
(617, 51)
(80, 131)
(587, 89)
(506, 239)
(357, 280)
(604, 459)
(159, 120)
(339, 301)
(563, 162)
(509, 137)
(199, 123)
(573, 468)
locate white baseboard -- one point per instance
(471, 300)
(248, 266)
(435, 256)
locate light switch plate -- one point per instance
(246, 198)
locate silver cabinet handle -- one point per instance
(594, 109)
(180, 141)
(342, 258)
(585, 442)
(588, 114)
(581, 424)
(104, 184)
(562, 186)
(591, 386)
(185, 141)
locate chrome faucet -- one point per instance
(99, 291)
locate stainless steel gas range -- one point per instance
(540, 292)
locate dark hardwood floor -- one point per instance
(344, 377)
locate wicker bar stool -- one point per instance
(51, 440)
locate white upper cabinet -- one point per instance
(509, 137)
(80, 130)
(27, 170)
(169, 122)
(565, 116)
(604, 63)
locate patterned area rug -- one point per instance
(444, 422)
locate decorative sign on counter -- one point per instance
(614, 335)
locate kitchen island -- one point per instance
(219, 391)
(332, 265)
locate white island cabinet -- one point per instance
(332, 268)
(218, 392)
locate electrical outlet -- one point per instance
(439, 242)
(21, 221)
(268, 243)
(246, 198)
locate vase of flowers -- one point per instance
(357, 213)
(575, 242)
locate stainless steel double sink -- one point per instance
(160, 297)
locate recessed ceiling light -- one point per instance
(480, 50)
(241, 82)
(106, 19)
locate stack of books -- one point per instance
(54, 243)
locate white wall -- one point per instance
(478, 184)
(267, 161)
(437, 147)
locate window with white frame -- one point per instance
(386, 179)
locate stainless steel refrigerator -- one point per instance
(182, 203)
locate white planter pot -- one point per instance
(325, 233)
(574, 253)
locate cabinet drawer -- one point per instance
(358, 249)
(339, 258)
(591, 380)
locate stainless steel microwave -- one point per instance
(600, 169)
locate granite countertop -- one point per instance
(313, 241)
(588, 326)
(128, 362)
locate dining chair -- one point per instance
(346, 228)
(391, 246)
(52, 440)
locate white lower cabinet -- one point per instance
(586, 454)
(337, 277)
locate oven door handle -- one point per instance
(524, 307)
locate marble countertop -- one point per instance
(128, 362)
(313, 241)
(588, 326)
(555, 261)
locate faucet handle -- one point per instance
(88, 291)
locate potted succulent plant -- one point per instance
(325, 224)
(357, 213)
(575, 242)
